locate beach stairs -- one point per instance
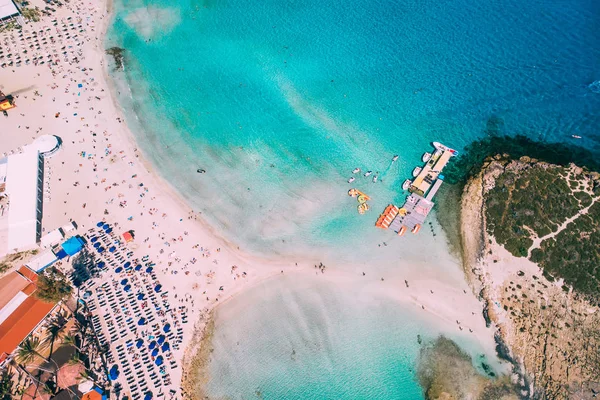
(386, 218)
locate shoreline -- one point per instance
(473, 246)
(540, 327)
(84, 124)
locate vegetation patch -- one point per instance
(53, 286)
(540, 202)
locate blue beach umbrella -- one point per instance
(99, 224)
(139, 343)
(138, 267)
(127, 264)
(114, 372)
(149, 269)
(141, 296)
(124, 281)
(142, 321)
(93, 239)
(157, 288)
(159, 360)
(154, 352)
(165, 347)
(161, 339)
(127, 288)
(105, 226)
(101, 264)
(112, 249)
(167, 328)
(109, 230)
(152, 345)
(101, 249)
(148, 396)
(118, 270)
(97, 244)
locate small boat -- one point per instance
(375, 179)
(416, 171)
(395, 158)
(351, 180)
(576, 137)
(406, 184)
(200, 171)
(368, 173)
(356, 170)
(426, 157)
(441, 147)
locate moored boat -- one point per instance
(406, 184)
(441, 147)
(368, 173)
(375, 179)
(426, 157)
(351, 180)
(395, 158)
(356, 170)
(416, 171)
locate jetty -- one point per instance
(422, 189)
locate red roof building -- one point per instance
(20, 311)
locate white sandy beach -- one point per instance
(98, 174)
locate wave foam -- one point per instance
(149, 22)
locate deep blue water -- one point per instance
(280, 100)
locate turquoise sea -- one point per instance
(279, 100)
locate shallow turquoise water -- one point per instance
(342, 350)
(317, 88)
(280, 100)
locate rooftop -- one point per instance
(20, 310)
(22, 187)
(7, 9)
(21, 323)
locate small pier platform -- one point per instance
(411, 216)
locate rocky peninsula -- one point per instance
(530, 235)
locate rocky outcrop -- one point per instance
(551, 332)
(446, 373)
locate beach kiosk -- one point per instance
(6, 102)
(128, 236)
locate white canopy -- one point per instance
(41, 261)
(22, 186)
(51, 238)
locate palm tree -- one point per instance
(80, 329)
(55, 329)
(6, 385)
(71, 340)
(30, 349)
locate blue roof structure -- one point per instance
(73, 245)
(61, 254)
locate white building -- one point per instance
(23, 186)
(8, 10)
(24, 178)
